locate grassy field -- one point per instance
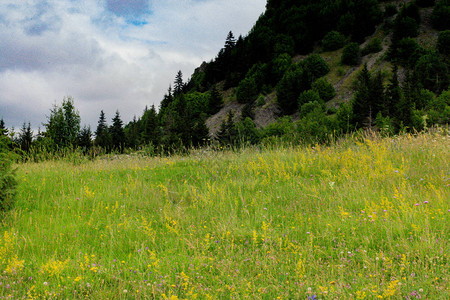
(357, 220)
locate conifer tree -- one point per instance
(102, 136)
(230, 42)
(25, 137)
(178, 84)
(117, 133)
(3, 129)
(215, 101)
(85, 139)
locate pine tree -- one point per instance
(168, 98)
(117, 133)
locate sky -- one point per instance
(107, 54)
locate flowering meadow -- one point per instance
(360, 219)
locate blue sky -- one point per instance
(106, 54)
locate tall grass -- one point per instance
(362, 219)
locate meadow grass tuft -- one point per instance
(360, 219)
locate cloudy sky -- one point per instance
(106, 54)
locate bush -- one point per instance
(351, 54)
(333, 40)
(405, 52)
(405, 27)
(315, 66)
(324, 88)
(443, 43)
(425, 3)
(390, 10)
(307, 97)
(247, 90)
(374, 46)
(441, 15)
(7, 176)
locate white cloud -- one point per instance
(51, 49)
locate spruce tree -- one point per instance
(178, 84)
(215, 101)
(3, 129)
(25, 137)
(117, 133)
(102, 136)
(230, 42)
(85, 139)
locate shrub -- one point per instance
(405, 27)
(351, 54)
(7, 176)
(390, 10)
(441, 15)
(324, 88)
(373, 46)
(315, 66)
(333, 40)
(406, 51)
(307, 97)
(425, 3)
(443, 43)
(247, 90)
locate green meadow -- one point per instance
(364, 218)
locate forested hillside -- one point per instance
(308, 71)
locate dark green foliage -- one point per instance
(289, 88)
(308, 96)
(405, 27)
(425, 3)
(284, 44)
(373, 46)
(8, 180)
(344, 118)
(314, 126)
(63, 124)
(178, 83)
(247, 131)
(443, 43)
(25, 137)
(351, 54)
(324, 88)
(215, 102)
(390, 10)
(441, 15)
(227, 134)
(432, 73)
(149, 127)
(405, 52)
(85, 139)
(314, 67)
(117, 133)
(280, 65)
(368, 100)
(247, 90)
(333, 40)
(281, 127)
(3, 129)
(102, 135)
